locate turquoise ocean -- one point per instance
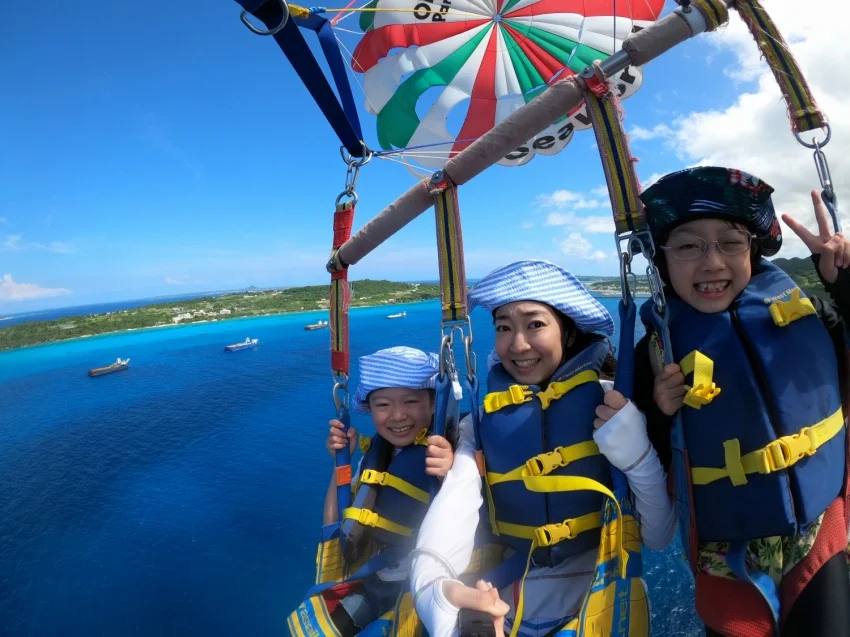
(183, 496)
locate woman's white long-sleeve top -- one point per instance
(446, 537)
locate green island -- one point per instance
(256, 302)
(802, 270)
(251, 302)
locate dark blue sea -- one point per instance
(183, 496)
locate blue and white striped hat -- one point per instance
(395, 367)
(545, 282)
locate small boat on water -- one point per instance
(316, 326)
(117, 366)
(399, 315)
(246, 344)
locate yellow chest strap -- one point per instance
(519, 394)
(780, 454)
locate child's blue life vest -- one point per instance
(763, 423)
(391, 501)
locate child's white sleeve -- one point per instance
(446, 537)
(624, 441)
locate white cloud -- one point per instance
(15, 242)
(753, 133)
(12, 291)
(594, 224)
(179, 280)
(562, 199)
(600, 192)
(528, 225)
(639, 134)
(651, 180)
(577, 246)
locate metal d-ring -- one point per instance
(283, 20)
(814, 143)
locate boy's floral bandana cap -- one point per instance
(713, 192)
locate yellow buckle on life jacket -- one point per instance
(780, 454)
(568, 529)
(784, 313)
(384, 479)
(372, 519)
(545, 463)
(558, 389)
(703, 390)
(514, 395)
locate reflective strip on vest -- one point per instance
(779, 454)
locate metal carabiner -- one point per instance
(283, 20)
(341, 396)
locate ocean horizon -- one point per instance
(184, 494)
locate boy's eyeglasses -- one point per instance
(731, 243)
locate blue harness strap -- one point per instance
(767, 588)
(681, 480)
(342, 458)
(445, 409)
(342, 117)
(624, 378)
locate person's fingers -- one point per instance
(605, 412)
(813, 242)
(615, 400)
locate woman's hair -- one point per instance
(583, 340)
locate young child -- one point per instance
(762, 416)
(396, 389)
(546, 407)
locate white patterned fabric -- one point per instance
(395, 367)
(545, 282)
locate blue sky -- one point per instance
(160, 148)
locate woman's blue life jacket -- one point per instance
(763, 422)
(526, 431)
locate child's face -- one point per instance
(400, 414)
(529, 340)
(711, 282)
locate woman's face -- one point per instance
(529, 340)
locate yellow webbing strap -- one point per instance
(550, 534)
(370, 518)
(559, 388)
(513, 395)
(779, 454)
(714, 12)
(450, 250)
(518, 394)
(617, 160)
(551, 484)
(703, 390)
(384, 479)
(802, 109)
(784, 313)
(545, 463)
